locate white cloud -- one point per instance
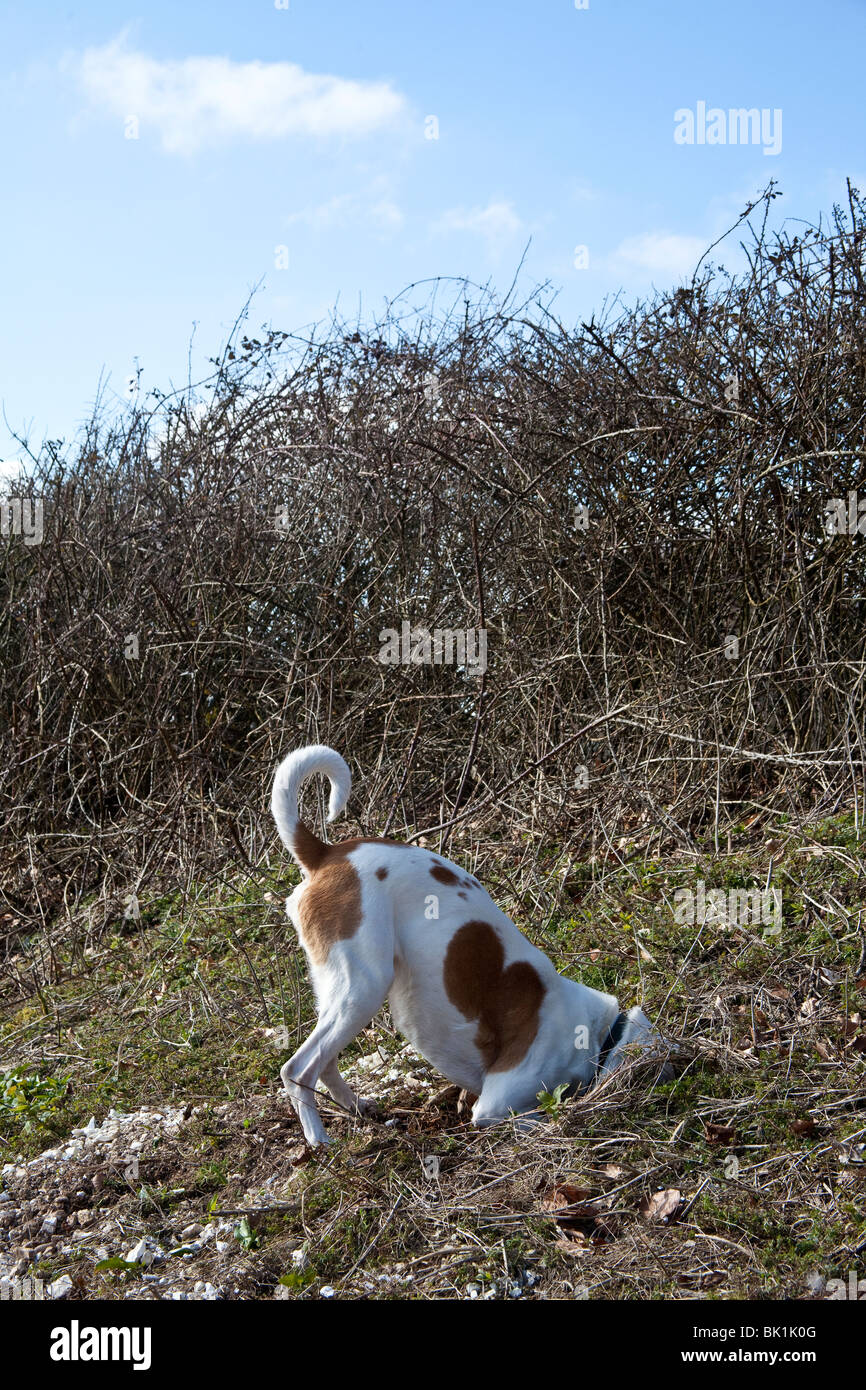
(659, 253)
(386, 215)
(194, 102)
(372, 207)
(496, 223)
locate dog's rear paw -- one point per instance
(318, 1141)
(370, 1109)
(315, 1133)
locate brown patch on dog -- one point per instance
(381, 873)
(505, 1002)
(443, 875)
(310, 851)
(330, 908)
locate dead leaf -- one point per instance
(780, 993)
(565, 1201)
(575, 1244)
(465, 1103)
(446, 1096)
(721, 1134)
(662, 1206)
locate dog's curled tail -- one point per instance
(306, 847)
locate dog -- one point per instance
(380, 920)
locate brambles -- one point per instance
(672, 634)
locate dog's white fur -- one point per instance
(398, 952)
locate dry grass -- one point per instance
(760, 1135)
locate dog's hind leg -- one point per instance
(343, 1093)
(351, 990)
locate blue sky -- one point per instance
(155, 158)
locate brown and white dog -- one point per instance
(379, 919)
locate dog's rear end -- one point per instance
(351, 973)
